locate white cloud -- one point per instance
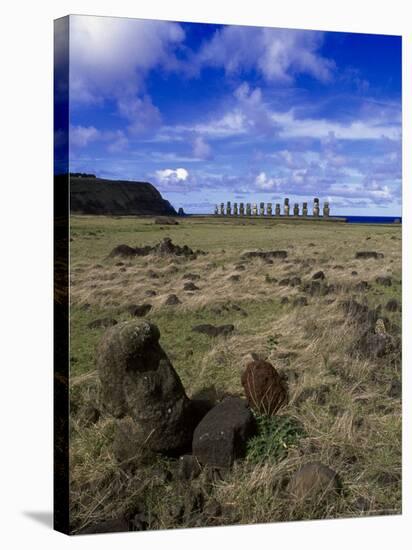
(169, 176)
(109, 56)
(141, 113)
(201, 149)
(265, 183)
(278, 54)
(80, 136)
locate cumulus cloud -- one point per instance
(142, 115)
(170, 176)
(110, 56)
(277, 54)
(82, 136)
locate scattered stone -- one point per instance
(366, 254)
(319, 275)
(212, 330)
(164, 248)
(284, 300)
(384, 281)
(240, 267)
(354, 273)
(150, 293)
(295, 281)
(234, 278)
(265, 390)
(139, 310)
(220, 438)
(300, 301)
(284, 282)
(313, 480)
(265, 255)
(190, 286)
(139, 381)
(152, 274)
(393, 305)
(119, 264)
(104, 322)
(188, 468)
(361, 286)
(172, 300)
(191, 276)
(395, 389)
(165, 221)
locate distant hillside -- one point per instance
(91, 195)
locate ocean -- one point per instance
(372, 219)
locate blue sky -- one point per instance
(211, 113)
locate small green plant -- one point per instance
(272, 342)
(276, 434)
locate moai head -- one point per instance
(241, 209)
(326, 210)
(248, 209)
(277, 209)
(316, 207)
(254, 210)
(222, 208)
(235, 208)
(216, 210)
(305, 209)
(296, 209)
(286, 207)
(228, 208)
(262, 209)
(269, 209)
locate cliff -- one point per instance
(91, 195)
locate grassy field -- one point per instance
(345, 401)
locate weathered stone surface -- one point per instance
(190, 286)
(138, 380)
(220, 438)
(313, 480)
(366, 254)
(300, 301)
(384, 281)
(264, 388)
(138, 310)
(172, 300)
(104, 322)
(127, 443)
(164, 248)
(212, 330)
(319, 275)
(393, 305)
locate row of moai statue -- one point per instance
(252, 209)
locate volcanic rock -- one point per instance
(139, 381)
(313, 480)
(172, 300)
(265, 390)
(220, 438)
(366, 254)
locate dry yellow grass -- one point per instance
(350, 418)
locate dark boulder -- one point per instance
(384, 281)
(300, 301)
(138, 310)
(188, 468)
(367, 254)
(138, 380)
(221, 437)
(319, 275)
(313, 480)
(393, 305)
(172, 300)
(103, 322)
(190, 287)
(265, 389)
